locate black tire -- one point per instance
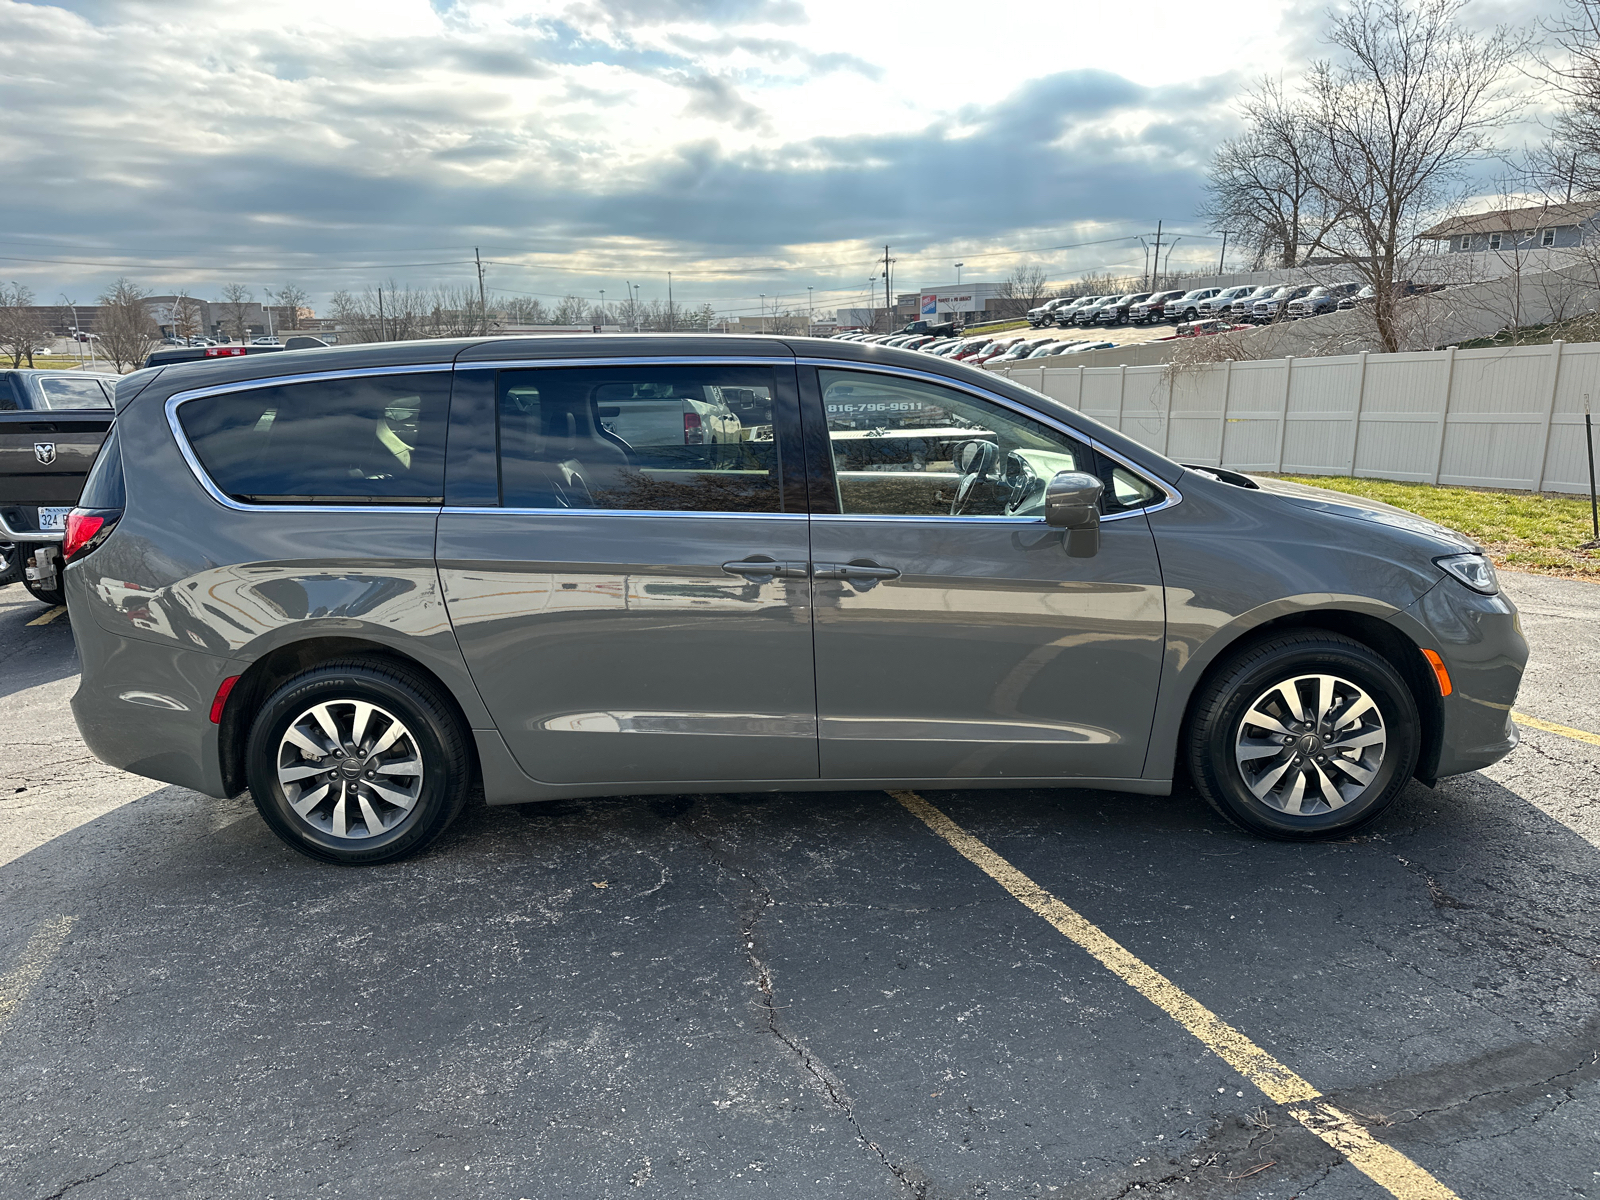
(433, 730)
(45, 595)
(1216, 736)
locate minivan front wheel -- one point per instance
(357, 762)
(1303, 736)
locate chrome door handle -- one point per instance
(853, 570)
(755, 568)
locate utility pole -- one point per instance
(1223, 257)
(483, 303)
(383, 333)
(602, 306)
(672, 320)
(811, 314)
(1155, 269)
(763, 321)
(888, 294)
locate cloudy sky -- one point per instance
(746, 146)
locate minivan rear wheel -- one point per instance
(357, 762)
(1303, 736)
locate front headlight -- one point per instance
(1474, 570)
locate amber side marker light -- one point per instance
(1439, 672)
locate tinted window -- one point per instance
(61, 392)
(687, 439)
(104, 487)
(897, 442)
(359, 439)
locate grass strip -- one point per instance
(1523, 531)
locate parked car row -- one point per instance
(1249, 304)
(982, 348)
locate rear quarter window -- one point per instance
(63, 394)
(359, 439)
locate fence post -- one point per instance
(1444, 417)
(1283, 417)
(1549, 410)
(1042, 392)
(1122, 389)
(1355, 432)
(1222, 425)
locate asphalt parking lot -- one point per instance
(803, 995)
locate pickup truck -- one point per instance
(51, 427)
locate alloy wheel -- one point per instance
(1310, 744)
(350, 769)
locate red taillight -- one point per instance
(692, 434)
(81, 528)
(222, 698)
(224, 351)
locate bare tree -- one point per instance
(1026, 287)
(1262, 186)
(1409, 103)
(236, 301)
(704, 318)
(1573, 156)
(127, 330)
(291, 300)
(524, 310)
(21, 324)
(184, 316)
(573, 310)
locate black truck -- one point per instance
(51, 427)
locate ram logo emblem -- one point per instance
(45, 452)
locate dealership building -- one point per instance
(968, 303)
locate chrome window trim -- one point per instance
(454, 510)
(178, 399)
(651, 360)
(1173, 495)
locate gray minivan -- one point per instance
(357, 581)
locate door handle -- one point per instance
(756, 568)
(853, 570)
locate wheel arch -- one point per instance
(1370, 630)
(267, 673)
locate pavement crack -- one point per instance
(821, 1078)
(86, 1179)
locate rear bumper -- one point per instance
(144, 707)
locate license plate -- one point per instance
(53, 520)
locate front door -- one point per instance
(955, 637)
(634, 603)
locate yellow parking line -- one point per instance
(36, 955)
(49, 616)
(1384, 1165)
(1577, 735)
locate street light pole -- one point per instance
(958, 273)
(75, 330)
(762, 321)
(811, 314)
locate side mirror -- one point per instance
(1072, 503)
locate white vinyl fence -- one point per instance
(1500, 418)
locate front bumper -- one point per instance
(1479, 638)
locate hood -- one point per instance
(1359, 508)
